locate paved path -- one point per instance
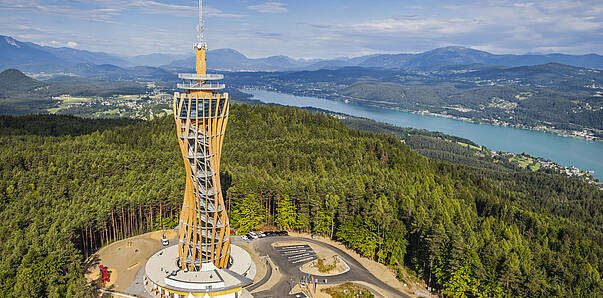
(293, 275)
(264, 279)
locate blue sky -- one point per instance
(308, 28)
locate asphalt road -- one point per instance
(293, 275)
(263, 280)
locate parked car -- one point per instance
(244, 237)
(253, 235)
(261, 234)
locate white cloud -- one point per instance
(108, 8)
(443, 26)
(58, 44)
(269, 7)
(499, 26)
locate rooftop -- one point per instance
(163, 270)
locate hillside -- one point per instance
(552, 75)
(99, 72)
(516, 235)
(20, 94)
(14, 81)
(15, 53)
(455, 55)
(231, 60)
(37, 59)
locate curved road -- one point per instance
(264, 279)
(292, 274)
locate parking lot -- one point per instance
(297, 254)
(260, 234)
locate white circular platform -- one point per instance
(163, 276)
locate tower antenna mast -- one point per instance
(201, 44)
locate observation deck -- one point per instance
(198, 77)
(200, 82)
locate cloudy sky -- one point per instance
(308, 28)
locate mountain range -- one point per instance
(15, 53)
(30, 57)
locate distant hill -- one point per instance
(554, 75)
(155, 60)
(341, 62)
(20, 94)
(12, 81)
(387, 61)
(34, 58)
(100, 72)
(461, 55)
(464, 56)
(15, 53)
(551, 75)
(231, 60)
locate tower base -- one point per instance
(164, 278)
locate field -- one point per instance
(525, 162)
(67, 102)
(127, 97)
(105, 114)
(469, 146)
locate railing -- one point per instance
(201, 86)
(201, 98)
(200, 77)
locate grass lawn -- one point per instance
(348, 289)
(523, 161)
(127, 97)
(73, 100)
(54, 110)
(469, 146)
(535, 167)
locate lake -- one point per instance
(567, 151)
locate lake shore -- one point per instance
(560, 132)
(566, 151)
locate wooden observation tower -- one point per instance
(201, 114)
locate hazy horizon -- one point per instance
(309, 30)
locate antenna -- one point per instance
(201, 44)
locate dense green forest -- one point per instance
(466, 230)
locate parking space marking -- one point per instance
(299, 256)
(303, 260)
(289, 252)
(297, 253)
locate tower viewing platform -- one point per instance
(201, 82)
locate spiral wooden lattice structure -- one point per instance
(201, 115)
